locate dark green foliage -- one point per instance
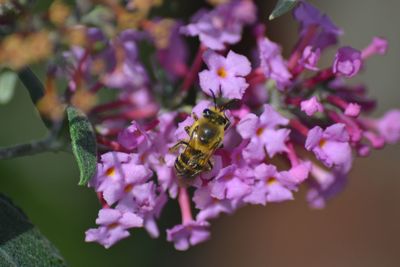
(83, 142)
(21, 244)
(282, 7)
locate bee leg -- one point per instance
(195, 116)
(177, 145)
(217, 144)
(209, 166)
(227, 124)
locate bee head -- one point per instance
(214, 116)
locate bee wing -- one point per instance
(233, 104)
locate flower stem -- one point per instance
(298, 126)
(191, 76)
(34, 147)
(291, 154)
(296, 55)
(184, 204)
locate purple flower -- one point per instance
(308, 16)
(324, 186)
(331, 146)
(231, 183)
(166, 175)
(268, 187)
(138, 198)
(225, 74)
(188, 234)
(263, 133)
(389, 126)
(109, 168)
(347, 62)
(115, 177)
(113, 227)
(222, 25)
(149, 222)
(129, 73)
(352, 110)
(174, 57)
(272, 63)
(311, 106)
(210, 207)
(132, 136)
(310, 58)
(378, 45)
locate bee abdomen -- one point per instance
(184, 169)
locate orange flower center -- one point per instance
(128, 188)
(259, 131)
(112, 226)
(271, 180)
(221, 72)
(110, 171)
(322, 142)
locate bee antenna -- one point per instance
(214, 99)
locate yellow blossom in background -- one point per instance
(39, 45)
(17, 51)
(59, 12)
(76, 35)
(50, 105)
(84, 100)
(161, 31)
(217, 2)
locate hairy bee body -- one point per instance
(205, 136)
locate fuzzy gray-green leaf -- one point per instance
(282, 7)
(21, 244)
(83, 142)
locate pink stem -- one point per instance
(184, 204)
(191, 76)
(291, 153)
(96, 87)
(321, 76)
(77, 76)
(354, 131)
(103, 203)
(113, 145)
(337, 101)
(110, 105)
(298, 126)
(134, 114)
(296, 55)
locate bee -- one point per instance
(205, 136)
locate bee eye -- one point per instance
(222, 121)
(206, 112)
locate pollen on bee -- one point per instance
(221, 72)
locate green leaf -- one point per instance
(8, 80)
(282, 7)
(21, 244)
(35, 89)
(83, 142)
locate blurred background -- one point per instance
(360, 227)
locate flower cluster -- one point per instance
(287, 106)
(297, 122)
